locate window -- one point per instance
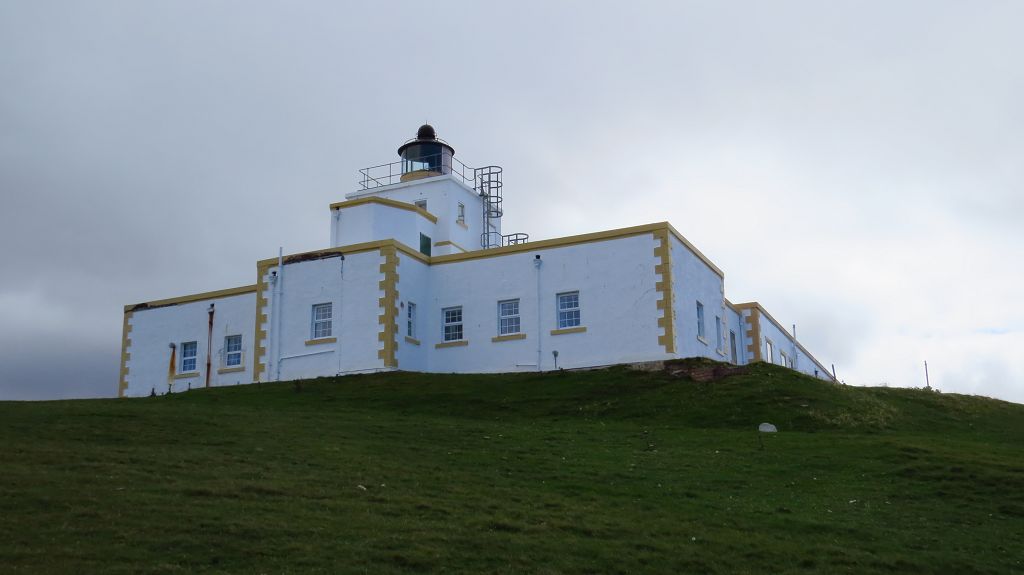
(232, 351)
(189, 351)
(421, 204)
(322, 320)
(452, 323)
(732, 346)
(718, 333)
(568, 309)
(700, 321)
(769, 350)
(424, 245)
(784, 359)
(410, 320)
(462, 213)
(508, 317)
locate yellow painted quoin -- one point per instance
(126, 343)
(388, 306)
(666, 305)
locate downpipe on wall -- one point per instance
(537, 263)
(209, 343)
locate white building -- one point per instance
(419, 277)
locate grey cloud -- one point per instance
(841, 163)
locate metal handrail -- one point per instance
(392, 172)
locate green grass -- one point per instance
(586, 472)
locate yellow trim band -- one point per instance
(385, 202)
(509, 337)
(191, 298)
(451, 243)
(564, 331)
(231, 369)
(321, 340)
(460, 343)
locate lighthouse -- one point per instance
(425, 155)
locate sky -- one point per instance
(855, 167)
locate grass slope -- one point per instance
(585, 472)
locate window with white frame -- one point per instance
(452, 323)
(769, 348)
(322, 315)
(508, 317)
(568, 309)
(784, 359)
(189, 352)
(700, 321)
(732, 347)
(410, 320)
(233, 351)
(718, 333)
(462, 213)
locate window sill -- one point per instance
(720, 352)
(578, 329)
(231, 369)
(412, 340)
(463, 224)
(186, 375)
(702, 340)
(458, 343)
(509, 337)
(320, 340)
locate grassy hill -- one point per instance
(586, 472)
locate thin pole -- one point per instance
(927, 382)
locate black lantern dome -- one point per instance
(426, 155)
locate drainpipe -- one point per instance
(341, 302)
(537, 263)
(209, 344)
(278, 312)
(796, 351)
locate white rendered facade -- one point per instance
(618, 296)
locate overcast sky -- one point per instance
(855, 167)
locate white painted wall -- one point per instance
(153, 329)
(738, 326)
(693, 281)
(442, 194)
(351, 285)
(784, 343)
(371, 222)
(615, 280)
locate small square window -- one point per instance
(568, 309)
(508, 317)
(189, 352)
(452, 323)
(322, 317)
(233, 351)
(461, 213)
